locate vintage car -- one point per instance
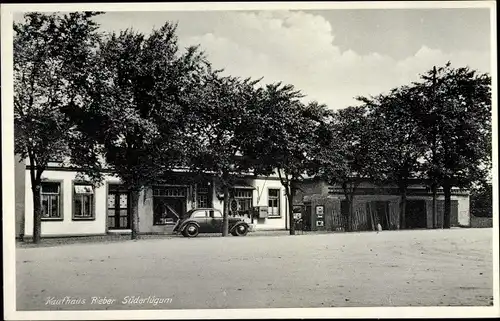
(208, 220)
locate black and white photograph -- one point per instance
(249, 160)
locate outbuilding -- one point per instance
(324, 207)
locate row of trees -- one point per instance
(437, 129)
(139, 107)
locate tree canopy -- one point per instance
(135, 120)
(52, 68)
(139, 107)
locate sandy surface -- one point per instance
(393, 268)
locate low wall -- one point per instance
(480, 222)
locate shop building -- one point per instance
(71, 207)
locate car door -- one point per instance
(200, 216)
(214, 221)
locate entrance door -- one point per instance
(454, 213)
(118, 210)
(344, 215)
(382, 208)
(416, 214)
(307, 216)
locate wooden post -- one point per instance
(194, 200)
(372, 219)
(387, 216)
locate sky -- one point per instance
(330, 55)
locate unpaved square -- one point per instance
(392, 268)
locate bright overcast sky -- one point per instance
(331, 55)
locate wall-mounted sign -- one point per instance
(320, 223)
(262, 211)
(84, 189)
(320, 209)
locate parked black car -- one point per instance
(208, 220)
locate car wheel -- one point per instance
(233, 233)
(241, 230)
(191, 230)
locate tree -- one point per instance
(219, 126)
(398, 139)
(457, 124)
(136, 118)
(481, 200)
(285, 134)
(351, 156)
(51, 66)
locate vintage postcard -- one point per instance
(250, 160)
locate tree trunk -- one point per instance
(349, 190)
(447, 205)
(134, 206)
(290, 209)
(434, 205)
(37, 212)
(225, 214)
(290, 193)
(402, 209)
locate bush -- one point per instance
(481, 201)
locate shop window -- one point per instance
(167, 210)
(243, 200)
(169, 204)
(50, 198)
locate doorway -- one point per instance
(306, 217)
(378, 213)
(416, 214)
(118, 208)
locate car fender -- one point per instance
(183, 226)
(238, 224)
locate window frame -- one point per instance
(75, 183)
(176, 191)
(60, 202)
(277, 198)
(203, 195)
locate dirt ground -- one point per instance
(391, 268)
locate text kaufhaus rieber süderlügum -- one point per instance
(131, 300)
